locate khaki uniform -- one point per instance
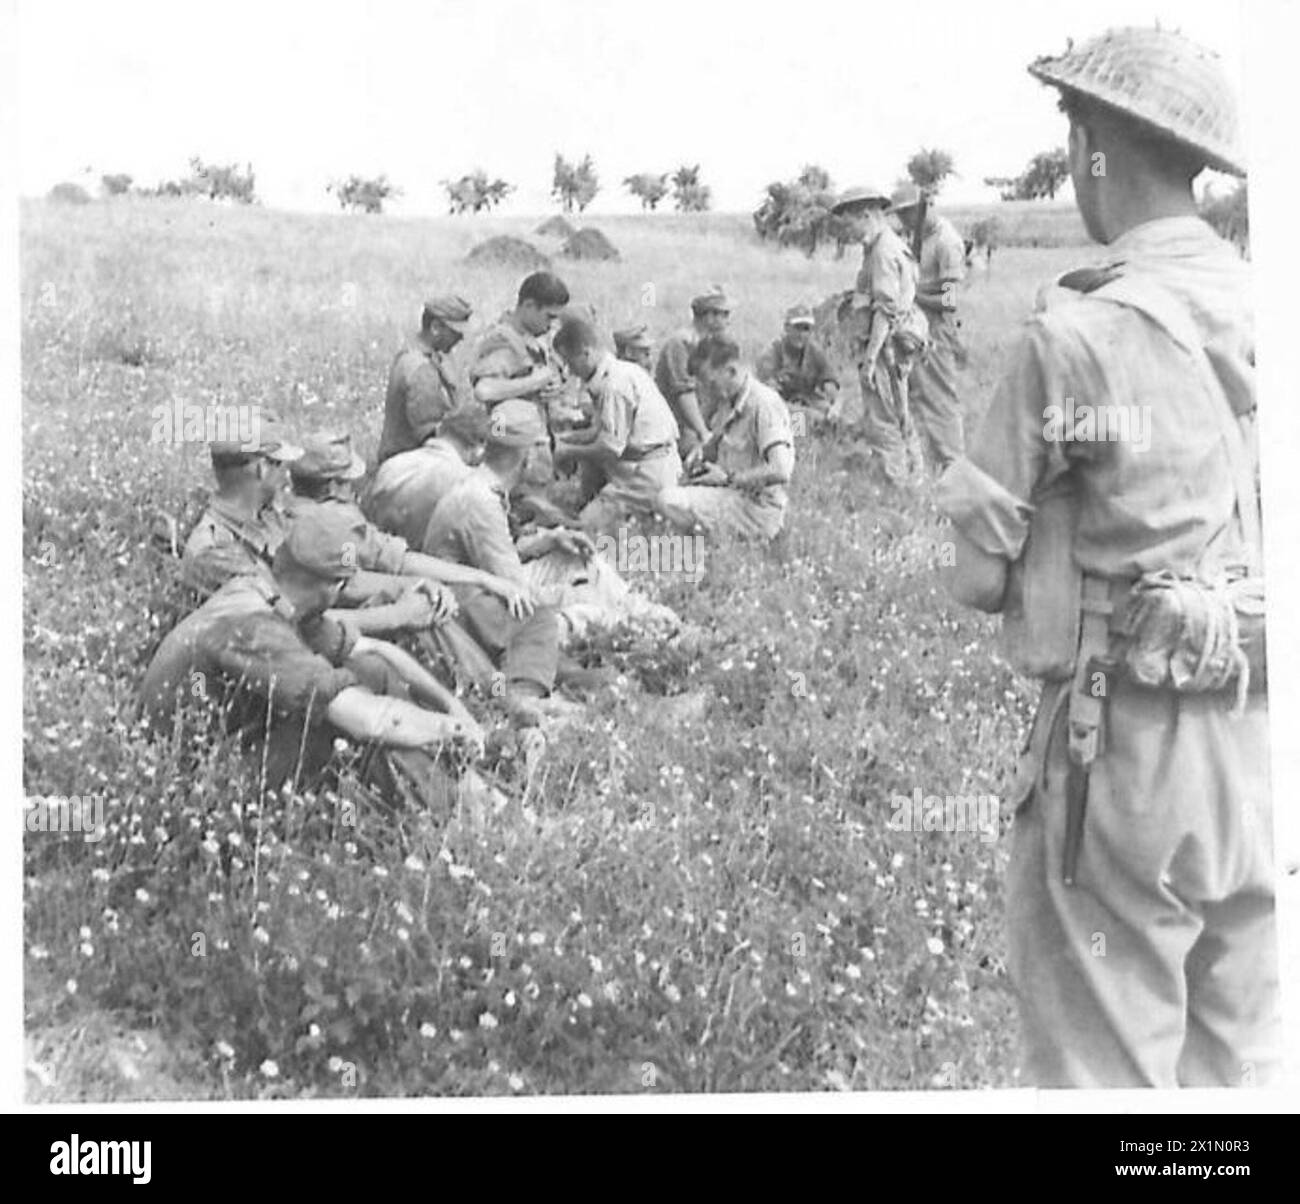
(1158, 967)
(743, 433)
(421, 391)
(886, 284)
(675, 375)
(632, 421)
(270, 677)
(800, 375)
(226, 544)
(936, 406)
(407, 487)
(471, 526)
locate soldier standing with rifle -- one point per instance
(1140, 900)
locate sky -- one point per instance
(308, 92)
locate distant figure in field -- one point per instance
(736, 480)
(797, 367)
(421, 388)
(936, 407)
(675, 369)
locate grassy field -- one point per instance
(698, 891)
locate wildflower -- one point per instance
(87, 949)
(537, 938)
(100, 874)
(269, 1069)
(511, 999)
(674, 995)
(71, 986)
(84, 932)
(516, 1082)
(853, 972)
(142, 895)
(414, 864)
(403, 912)
(403, 934)
(335, 1064)
(934, 945)
(225, 1049)
(584, 1000)
(487, 1020)
(234, 840)
(427, 1031)
(261, 936)
(380, 872)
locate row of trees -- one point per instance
(217, 181)
(1041, 179)
(573, 183)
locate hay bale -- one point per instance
(505, 251)
(589, 243)
(557, 227)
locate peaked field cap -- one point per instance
(714, 297)
(269, 442)
(905, 196)
(799, 315)
(1160, 79)
(633, 336)
(323, 542)
(328, 457)
(516, 423)
(861, 194)
(449, 308)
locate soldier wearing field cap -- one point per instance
(289, 675)
(245, 521)
(675, 369)
(1126, 561)
(421, 385)
(471, 527)
(941, 267)
(325, 477)
(797, 368)
(634, 344)
(883, 297)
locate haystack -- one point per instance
(505, 251)
(589, 243)
(556, 226)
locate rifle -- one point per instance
(919, 233)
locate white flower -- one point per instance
(261, 936)
(487, 1020)
(853, 972)
(84, 932)
(934, 945)
(269, 1069)
(403, 912)
(225, 1049)
(403, 934)
(234, 840)
(100, 874)
(516, 1082)
(427, 1031)
(142, 895)
(673, 993)
(511, 999)
(537, 938)
(87, 949)
(414, 864)
(313, 1030)
(380, 872)
(584, 1000)
(335, 1064)
(71, 986)
(897, 861)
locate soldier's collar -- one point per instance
(232, 510)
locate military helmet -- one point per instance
(861, 195)
(1161, 80)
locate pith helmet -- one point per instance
(862, 195)
(1160, 79)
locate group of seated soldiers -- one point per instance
(339, 602)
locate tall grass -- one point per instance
(698, 890)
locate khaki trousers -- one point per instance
(1159, 967)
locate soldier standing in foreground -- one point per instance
(1122, 546)
(936, 407)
